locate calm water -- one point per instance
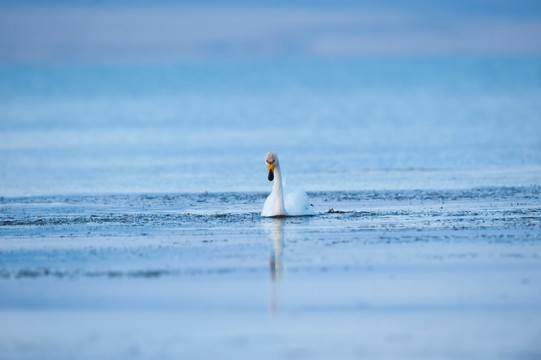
(402, 274)
(336, 124)
(130, 200)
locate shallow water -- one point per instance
(130, 198)
(409, 274)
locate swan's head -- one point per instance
(272, 161)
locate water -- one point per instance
(404, 273)
(130, 198)
(336, 124)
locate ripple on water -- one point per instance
(482, 207)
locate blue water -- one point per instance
(203, 275)
(364, 124)
(130, 199)
(132, 178)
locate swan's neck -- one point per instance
(278, 207)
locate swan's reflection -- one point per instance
(276, 255)
(275, 263)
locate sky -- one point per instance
(162, 31)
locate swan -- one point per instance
(283, 201)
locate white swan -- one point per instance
(283, 201)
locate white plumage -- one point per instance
(284, 201)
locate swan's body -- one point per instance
(284, 201)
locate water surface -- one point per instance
(130, 199)
(389, 124)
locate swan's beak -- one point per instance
(271, 171)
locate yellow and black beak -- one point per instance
(271, 171)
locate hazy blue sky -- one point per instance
(168, 31)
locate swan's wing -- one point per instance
(297, 202)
